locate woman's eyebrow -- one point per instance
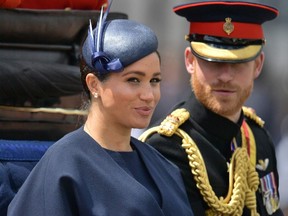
(134, 72)
(140, 73)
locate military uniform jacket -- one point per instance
(76, 176)
(213, 135)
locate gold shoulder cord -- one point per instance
(243, 178)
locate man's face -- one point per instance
(223, 87)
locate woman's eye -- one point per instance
(133, 80)
(155, 80)
(136, 80)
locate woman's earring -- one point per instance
(95, 94)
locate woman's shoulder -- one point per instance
(68, 144)
(149, 150)
(72, 137)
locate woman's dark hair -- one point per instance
(84, 70)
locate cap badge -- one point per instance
(228, 27)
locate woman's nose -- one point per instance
(147, 92)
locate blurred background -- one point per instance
(270, 93)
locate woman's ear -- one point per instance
(189, 60)
(92, 83)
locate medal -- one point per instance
(269, 193)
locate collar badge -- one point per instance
(262, 164)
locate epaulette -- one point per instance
(171, 123)
(251, 114)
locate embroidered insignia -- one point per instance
(262, 164)
(171, 123)
(251, 114)
(228, 26)
(269, 193)
(228, 165)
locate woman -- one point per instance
(100, 169)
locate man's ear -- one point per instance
(189, 60)
(259, 62)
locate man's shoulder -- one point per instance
(169, 125)
(257, 125)
(252, 117)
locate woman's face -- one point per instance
(129, 98)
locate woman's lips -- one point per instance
(144, 111)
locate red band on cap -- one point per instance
(241, 30)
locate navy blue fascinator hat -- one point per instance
(115, 44)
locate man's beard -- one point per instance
(222, 107)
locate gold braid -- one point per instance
(243, 178)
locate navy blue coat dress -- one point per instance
(76, 176)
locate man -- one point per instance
(225, 154)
